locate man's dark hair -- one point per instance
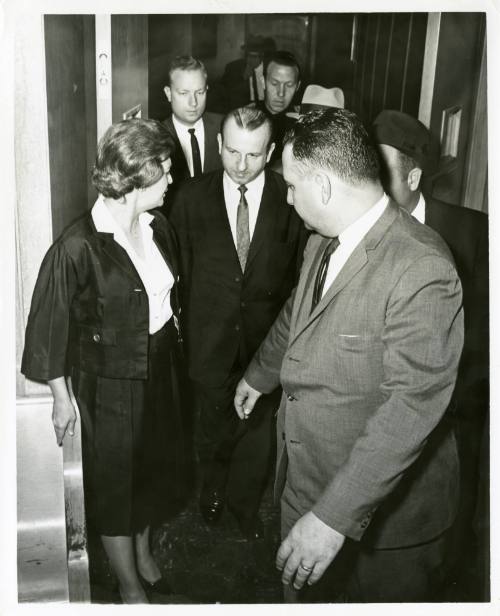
(130, 155)
(406, 164)
(185, 63)
(335, 140)
(284, 58)
(249, 118)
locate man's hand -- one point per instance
(245, 399)
(308, 550)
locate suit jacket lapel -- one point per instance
(179, 164)
(357, 260)
(266, 219)
(118, 255)
(211, 147)
(221, 229)
(164, 245)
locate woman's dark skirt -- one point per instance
(134, 450)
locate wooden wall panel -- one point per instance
(70, 118)
(332, 65)
(457, 73)
(389, 60)
(171, 35)
(129, 62)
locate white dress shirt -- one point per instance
(232, 198)
(152, 269)
(185, 140)
(259, 81)
(351, 237)
(419, 211)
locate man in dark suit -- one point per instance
(367, 352)
(281, 81)
(240, 250)
(194, 131)
(408, 151)
(243, 79)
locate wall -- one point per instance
(332, 64)
(129, 61)
(171, 35)
(458, 64)
(389, 58)
(70, 71)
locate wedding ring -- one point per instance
(309, 569)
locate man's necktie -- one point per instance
(242, 229)
(255, 88)
(319, 283)
(195, 150)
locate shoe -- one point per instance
(211, 506)
(251, 528)
(160, 587)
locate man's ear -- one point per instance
(323, 182)
(168, 93)
(219, 141)
(414, 179)
(270, 151)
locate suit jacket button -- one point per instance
(237, 279)
(237, 328)
(96, 338)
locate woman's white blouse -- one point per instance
(152, 269)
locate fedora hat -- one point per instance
(408, 135)
(318, 97)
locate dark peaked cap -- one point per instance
(406, 134)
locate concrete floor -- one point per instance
(205, 565)
(216, 565)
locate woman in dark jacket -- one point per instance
(104, 311)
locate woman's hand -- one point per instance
(63, 411)
(63, 418)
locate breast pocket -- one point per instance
(359, 359)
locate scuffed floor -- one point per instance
(205, 565)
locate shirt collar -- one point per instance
(360, 227)
(180, 127)
(105, 223)
(419, 211)
(256, 186)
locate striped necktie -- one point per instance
(242, 229)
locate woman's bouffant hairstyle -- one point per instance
(130, 155)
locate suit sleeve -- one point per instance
(48, 329)
(423, 338)
(263, 372)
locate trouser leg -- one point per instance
(252, 458)
(235, 454)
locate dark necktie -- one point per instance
(255, 89)
(242, 229)
(195, 150)
(319, 283)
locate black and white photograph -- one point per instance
(246, 257)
